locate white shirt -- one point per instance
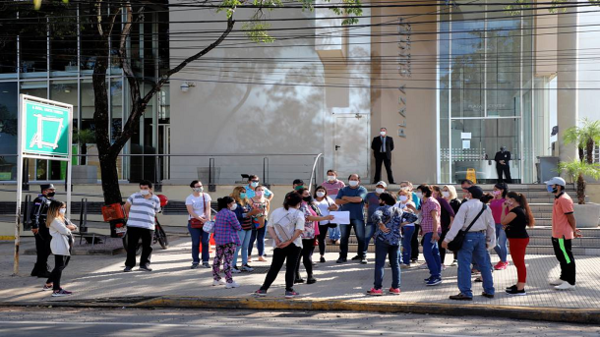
(465, 215)
(290, 220)
(402, 207)
(198, 203)
(324, 208)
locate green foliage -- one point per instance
(585, 136)
(576, 168)
(84, 137)
(257, 32)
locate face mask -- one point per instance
(467, 198)
(198, 189)
(320, 194)
(144, 192)
(382, 133)
(259, 194)
(419, 195)
(330, 178)
(51, 194)
(243, 195)
(254, 184)
(297, 188)
(307, 199)
(403, 198)
(63, 211)
(353, 183)
(233, 207)
(445, 194)
(551, 189)
(497, 192)
(379, 190)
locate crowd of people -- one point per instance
(393, 222)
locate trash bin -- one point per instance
(547, 168)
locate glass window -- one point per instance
(63, 40)
(8, 45)
(8, 130)
(33, 44)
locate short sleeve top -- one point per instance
(517, 229)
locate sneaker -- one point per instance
(231, 285)
(427, 279)
(434, 281)
(194, 265)
(461, 297)
(478, 279)
(61, 293)
(145, 268)
(394, 291)
(46, 288)
(311, 280)
(501, 265)
(341, 260)
(375, 292)
(515, 291)
(127, 269)
(322, 260)
(414, 260)
(235, 270)
(565, 286)
(511, 287)
(423, 266)
(364, 260)
(299, 280)
(219, 282)
(291, 294)
(356, 258)
(205, 265)
(454, 263)
(260, 293)
(405, 266)
(557, 282)
(247, 268)
(484, 294)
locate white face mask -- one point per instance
(403, 198)
(198, 189)
(379, 190)
(419, 195)
(445, 194)
(382, 133)
(63, 211)
(144, 192)
(330, 178)
(254, 184)
(233, 207)
(320, 194)
(353, 183)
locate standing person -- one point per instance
(262, 204)
(227, 239)
(199, 211)
(497, 205)
(414, 244)
(253, 183)
(40, 231)
(244, 213)
(480, 237)
(352, 199)
(285, 226)
(517, 219)
(372, 203)
(141, 208)
(431, 229)
(502, 160)
(297, 184)
(61, 245)
(333, 185)
(406, 204)
(564, 230)
(449, 193)
(446, 219)
(382, 147)
(325, 205)
(310, 232)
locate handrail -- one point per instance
(312, 174)
(189, 154)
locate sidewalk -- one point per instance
(339, 286)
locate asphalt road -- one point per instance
(138, 322)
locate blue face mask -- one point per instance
(550, 189)
(243, 195)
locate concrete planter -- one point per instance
(84, 174)
(587, 215)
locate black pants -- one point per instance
(308, 247)
(414, 244)
(133, 237)
(506, 170)
(290, 252)
(42, 248)
(322, 237)
(379, 158)
(60, 262)
(562, 250)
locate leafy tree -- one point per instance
(586, 137)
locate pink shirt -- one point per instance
(427, 220)
(333, 188)
(496, 207)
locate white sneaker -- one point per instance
(247, 268)
(231, 285)
(454, 263)
(219, 282)
(235, 270)
(565, 286)
(557, 282)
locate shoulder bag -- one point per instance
(281, 232)
(196, 223)
(456, 244)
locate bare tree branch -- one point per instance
(112, 24)
(99, 17)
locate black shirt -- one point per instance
(517, 229)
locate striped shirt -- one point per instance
(226, 228)
(142, 211)
(427, 220)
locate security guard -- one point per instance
(40, 231)
(502, 158)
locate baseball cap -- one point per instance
(556, 181)
(382, 183)
(475, 191)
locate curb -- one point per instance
(570, 315)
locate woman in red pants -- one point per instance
(515, 224)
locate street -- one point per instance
(184, 322)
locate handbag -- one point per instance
(456, 244)
(209, 227)
(195, 223)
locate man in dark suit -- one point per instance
(382, 147)
(502, 158)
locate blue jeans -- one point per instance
(474, 249)
(258, 236)
(431, 252)
(245, 239)
(406, 244)
(501, 248)
(383, 250)
(359, 230)
(334, 233)
(369, 231)
(196, 234)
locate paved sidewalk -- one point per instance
(98, 277)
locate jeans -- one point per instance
(562, 250)
(258, 235)
(501, 248)
(197, 234)
(359, 230)
(322, 236)
(431, 252)
(60, 262)
(369, 232)
(407, 244)
(245, 236)
(383, 250)
(308, 247)
(133, 237)
(334, 233)
(280, 255)
(415, 243)
(474, 248)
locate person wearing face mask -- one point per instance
(502, 159)
(382, 147)
(198, 207)
(446, 219)
(431, 230)
(297, 184)
(449, 193)
(333, 185)
(244, 213)
(372, 203)
(496, 204)
(253, 183)
(40, 231)
(261, 203)
(325, 205)
(226, 228)
(141, 208)
(406, 204)
(352, 199)
(414, 244)
(465, 185)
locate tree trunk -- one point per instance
(580, 151)
(589, 147)
(581, 189)
(110, 179)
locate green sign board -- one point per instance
(46, 129)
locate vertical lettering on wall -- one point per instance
(404, 70)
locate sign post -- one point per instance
(44, 133)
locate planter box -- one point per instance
(84, 174)
(587, 215)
